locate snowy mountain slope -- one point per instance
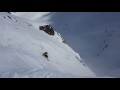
(31, 15)
(102, 41)
(92, 44)
(22, 45)
(103, 45)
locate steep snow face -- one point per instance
(103, 46)
(30, 15)
(36, 16)
(22, 45)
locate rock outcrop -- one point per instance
(48, 29)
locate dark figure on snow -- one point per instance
(45, 54)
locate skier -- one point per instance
(45, 54)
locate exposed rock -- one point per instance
(9, 17)
(63, 40)
(48, 29)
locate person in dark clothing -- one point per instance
(45, 54)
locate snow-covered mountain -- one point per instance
(103, 45)
(22, 45)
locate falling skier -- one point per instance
(45, 54)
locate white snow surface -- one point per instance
(22, 45)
